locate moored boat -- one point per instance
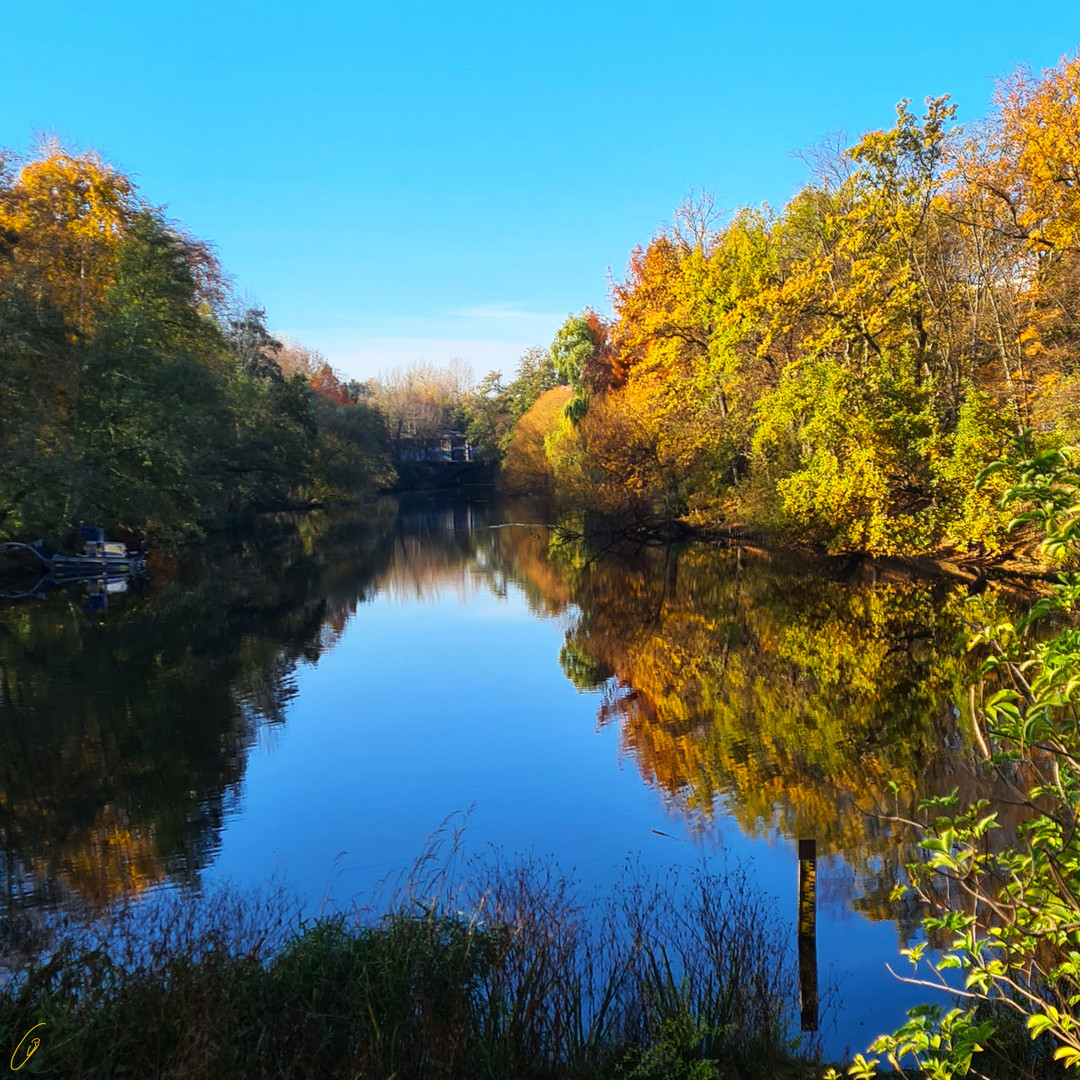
(100, 558)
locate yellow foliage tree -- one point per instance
(526, 468)
(63, 218)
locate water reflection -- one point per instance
(124, 734)
(792, 696)
(788, 697)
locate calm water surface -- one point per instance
(311, 704)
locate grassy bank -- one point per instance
(512, 975)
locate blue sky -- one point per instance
(407, 181)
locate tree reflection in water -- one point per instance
(790, 695)
(123, 739)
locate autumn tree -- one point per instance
(63, 217)
(492, 408)
(526, 468)
(133, 391)
(421, 401)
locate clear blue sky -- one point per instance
(400, 181)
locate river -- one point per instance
(310, 703)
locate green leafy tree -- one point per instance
(573, 353)
(151, 420)
(1007, 914)
(131, 393)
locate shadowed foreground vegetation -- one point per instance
(511, 975)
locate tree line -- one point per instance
(135, 390)
(841, 369)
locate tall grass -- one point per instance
(500, 970)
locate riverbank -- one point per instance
(1022, 565)
(508, 973)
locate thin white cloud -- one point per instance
(488, 337)
(364, 358)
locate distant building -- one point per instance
(445, 446)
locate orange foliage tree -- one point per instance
(526, 468)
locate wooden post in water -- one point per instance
(808, 978)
